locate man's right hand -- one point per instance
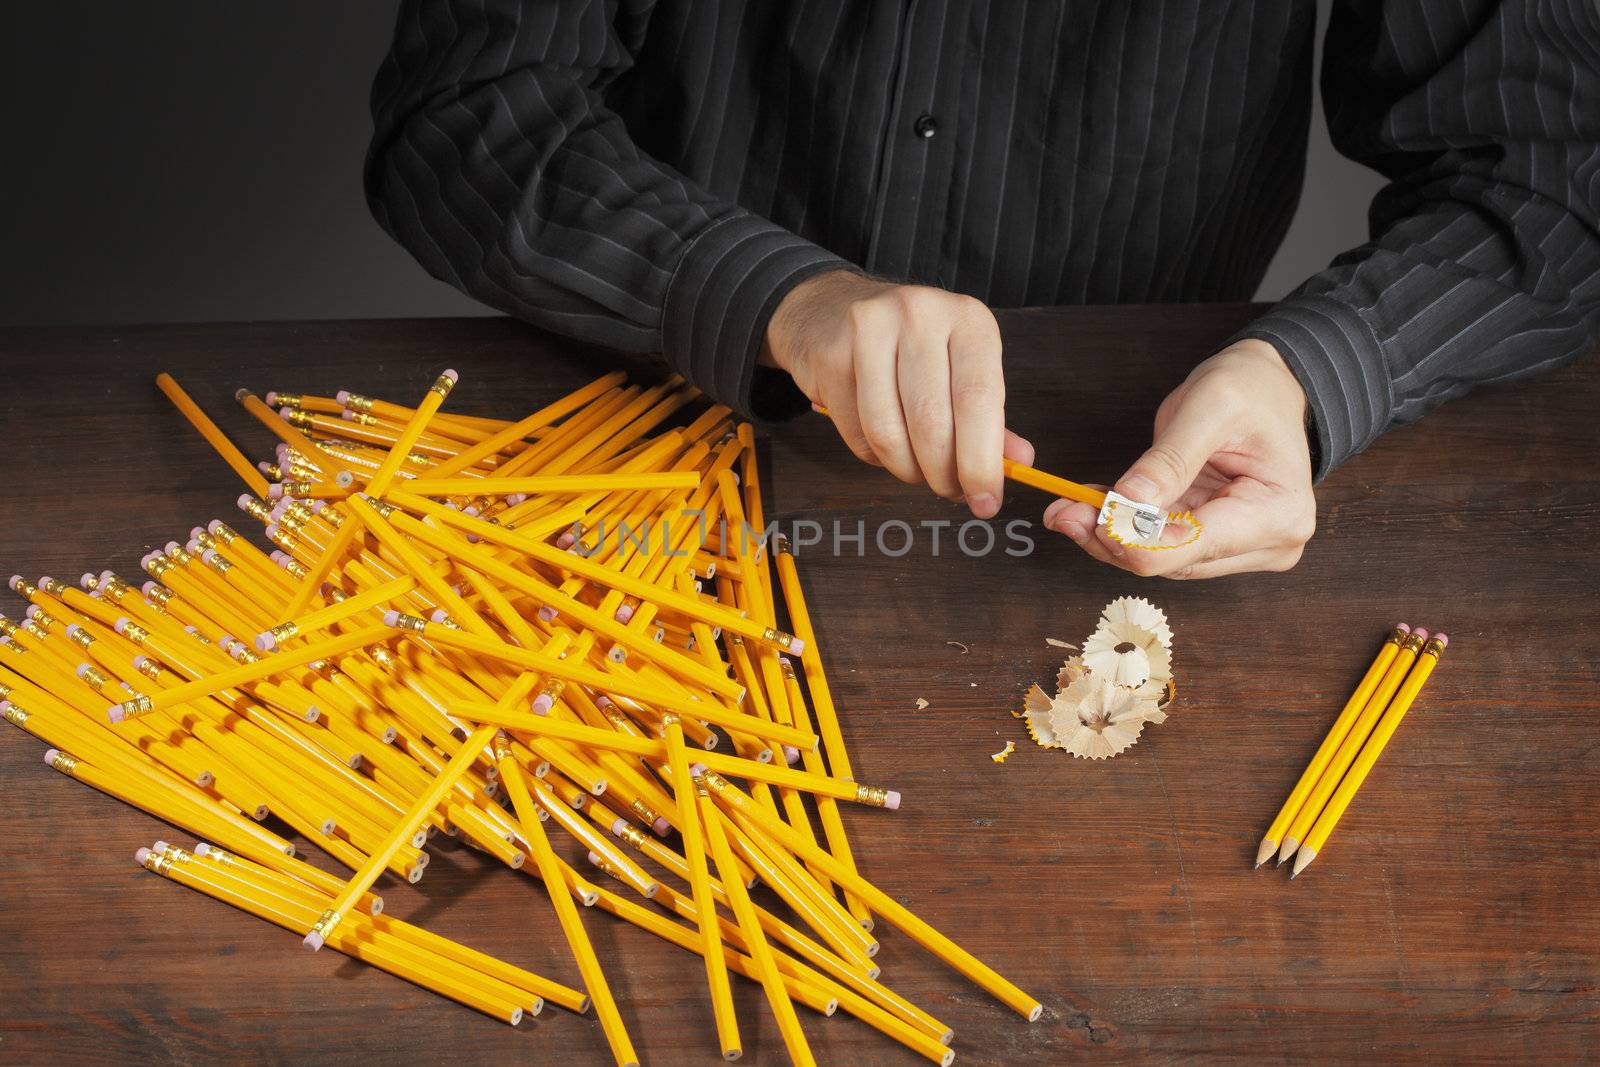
(910, 375)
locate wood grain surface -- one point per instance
(1453, 916)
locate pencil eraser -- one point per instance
(602, 701)
(148, 588)
(661, 826)
(113, 715)
(452, 375)
(797, 646)
(193, 629)
(515, 498)
(33, 611)
(891, 800)
(160, 846)
(624, 613)
(171, 547)
(1420, 632)
(139, 662)
(272, 529)
(617, 826)
(208, 555)
(791, 755)
(566, 540)
(391, 617)
(547, 614)
(1443, 639)
(73, 631)
(202, 848)
(87, 579)
(244, 501)
(83, 668)
(141, 855)
(543, 703)
(342, 396)
(275, 491)
(314, 941)
(272, 398)
(214, 527)
(696, 769)
(226, 642)
(277, 556)
(278, 509)
(284, 413)
(470, 509)
(121, 624)
(1402, 627)
(50, 754)
(347, 415)
(265, 642)
(16, 580)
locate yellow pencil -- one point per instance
(1426, 662)
(1330, 744)
(1357, 736)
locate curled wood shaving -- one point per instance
(957, 644)
(1004, 753)
(921, 703)
(1056, 642)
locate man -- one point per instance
(829, 193)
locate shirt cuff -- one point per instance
(730, 280)
(1339, 362)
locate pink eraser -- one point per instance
(1402, 626)
(214, 526)
(272, 398)
(547, 614)
(33, 610)
(50, 754)
(391, 617)
(791, 755)
(172, 546)
(196, 531)
(74, 630)
(515, 498)
(16, 580)
(661, 826)
(44, 579)
(603, 701)
(83, 668)
(797, 646)
(208, 555)
(1420, 632)
(624, 613)
(891, 800)
(452, 375)
(192, 629)
(278, 509)
(272, 529)
(87, 578)
(543, 703)
(141, 855)
(114, 713)
(160, 846)
(566, 540)
(617, 826)
(316, 506)
(277, 556)
(342, 396)
(192, 546)
(696, 769)
(1443, 639)
(281, 452)
(347, 415)
(265, 642)
(275, 491)
(139, 662)
(439, 615)
(284, 413)
(594, 858)
(148, 588)
(121, 624)
(244, 501)
(470, 509)
(226, 642)
(202, 848)
(314, 941)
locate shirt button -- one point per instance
(925, 127)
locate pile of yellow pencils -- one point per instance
(1343, 760)
(474, 626)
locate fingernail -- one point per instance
(1141, 489)
(983, 505)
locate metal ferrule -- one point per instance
(179, 555)
(872, 795)
(301, 419)
(326, 923)
(135, 633)
(25, 589)
(442, 385)
(139, 705)
(283, 632)
(83, 638)
(44, 618)
(289, 400)
(296, 488)
(150, 670)
(295, 568)
(357, 402)
(360, 418)
(412, 623)
(206, 541)
(15, 715)
(64, 763)
(225, 534)
(256, 510)
(159, 862)
(777, 637)
(53, 586)
(94, 678)
(217, 563)
(158, 566)
(1434, 648)
(1413, 643)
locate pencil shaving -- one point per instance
(1097, 719)
(1140, 612)
(921, 703)
(958, 644)
(1056, 642)
(1035, 715)
(1004, 753)
(1127, 655)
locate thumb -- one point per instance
(1181, 448)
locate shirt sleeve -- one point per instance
(497, 163)
(1484, 258)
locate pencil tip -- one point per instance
(1303, 860)
(1264, 853)
(1289, 845)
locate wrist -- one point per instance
(1266, 374)
(801, 312)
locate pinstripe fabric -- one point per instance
(655, 175)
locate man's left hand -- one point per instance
(1230, 446)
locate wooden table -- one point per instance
(1453, 915)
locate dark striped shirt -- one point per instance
(655, 175)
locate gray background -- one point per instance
(190, 162)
